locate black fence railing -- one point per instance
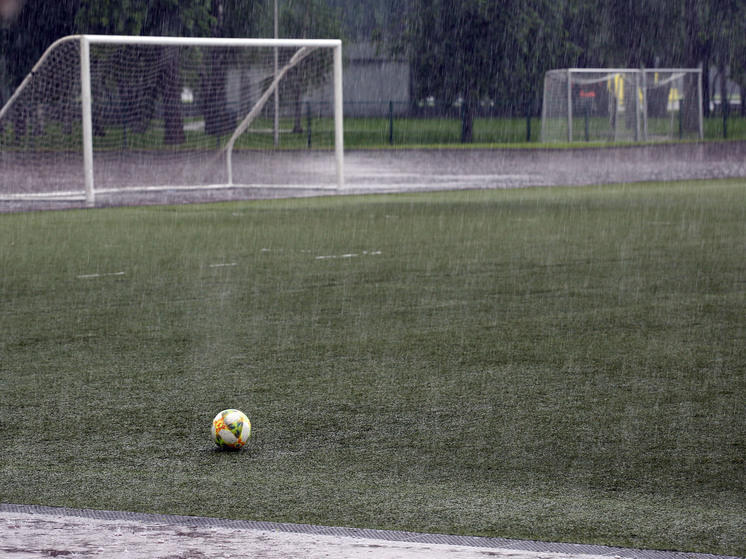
(422, 123)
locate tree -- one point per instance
(727, 21)
(453, 48)
(662, 33)
(464, 52)
(306, 19)
(541, 43)
(23, 39)
(213, 18)
(228, 18)
(738, 61)
(27, 35)
(155, 17)
(370, 20)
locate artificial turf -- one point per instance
(553, 364)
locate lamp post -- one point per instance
(277, 92)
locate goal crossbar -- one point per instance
(167, 41)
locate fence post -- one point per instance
(586, 118)
(569, 105)
(308, 122)
(725, 123)
(391, 123)
(724, 106)
(644, 105)
(637, 105)
(681, 120)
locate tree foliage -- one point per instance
(472, 52)
(307, 19)
(464, 53)
(216, 18)
(26, 37)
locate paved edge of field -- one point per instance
(510, 547)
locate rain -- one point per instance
(416, 74)
(472, 268)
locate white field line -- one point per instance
(223, 265)
(76, 195)
(160, 188)
(72, 195)
(91, 276)
(395, 181)
(447, 177)
(348, 255)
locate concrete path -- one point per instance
(29, 531)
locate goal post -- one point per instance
(622, 104)
(86, 120)
(108, 114)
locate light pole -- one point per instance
(277, 92)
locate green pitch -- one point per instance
(554, 364)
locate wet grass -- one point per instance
(554, 364)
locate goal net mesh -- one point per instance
(621, 105)
(164, 117)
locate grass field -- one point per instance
(552, 364)
(370, 133)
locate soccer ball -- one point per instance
(231, 429)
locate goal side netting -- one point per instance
(621, 105)
(99, 115)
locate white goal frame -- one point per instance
(85, 82)
(641, 82)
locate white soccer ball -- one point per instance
(231, 429)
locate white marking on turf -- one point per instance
(91, 276)
(349, 255)
(223, 264)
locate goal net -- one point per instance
(616, 105)
(100, 115)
